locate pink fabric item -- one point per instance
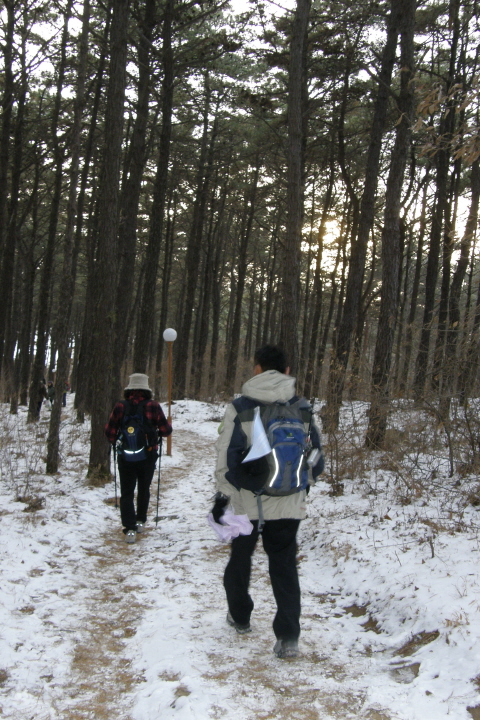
(231, 525)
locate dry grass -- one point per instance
(416, 642)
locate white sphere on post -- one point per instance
(169, 335)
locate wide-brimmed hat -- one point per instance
(138, 381)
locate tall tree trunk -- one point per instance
(127, 236)
(297, 112)
(103, 345)
(247, 347)
(315, 389)
(48, 262)
(403, 291)
(308, 290)
(147, 306)
(261, 303)
(241, 267)
(194, 248)
(6, 252)
(7, 109)
(391, 246)
(202, 322)
(83, 354)
(442, 160)
(415, 291)
(166, 276)
(14, 228)
(67, 283)
(339, 359)
(210, 271)
(29, 274)
(450, 364)
(470, 361)
(267, 335)
(448, 246)
(218, 273)
(317, 291)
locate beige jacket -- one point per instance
(269, 386)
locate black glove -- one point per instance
(221, 502)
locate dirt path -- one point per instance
(163, 596)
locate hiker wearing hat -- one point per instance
(134, 427)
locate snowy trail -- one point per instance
(194, 665)
(94, 629)
(138, 632)
(216, 672)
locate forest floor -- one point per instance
(243, 667)
(93, 628)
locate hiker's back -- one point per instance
(287, 427)
(137, 437)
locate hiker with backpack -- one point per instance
(269, 488)
(134, 428)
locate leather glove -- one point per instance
(218, 509)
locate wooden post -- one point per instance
(170, 354)
(169, 335)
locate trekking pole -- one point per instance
(115, 472)
(158, 483)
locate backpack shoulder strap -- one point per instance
(245, 408)
(303, 407)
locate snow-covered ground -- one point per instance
(93, 628)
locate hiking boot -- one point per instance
(130, 536)
(140, 527)
(241, 629)
(286, 648)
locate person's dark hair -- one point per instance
(147, 394)
(270, 357)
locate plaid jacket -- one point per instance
(153, 413)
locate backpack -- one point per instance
(137, 437)
(284, 471)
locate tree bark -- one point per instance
(391, 247)
(6, 124)
(449, 372)
(67, 283)
(448, 246)
(297, 112)
(442, 159)
(193, 249)
(103, 345)
(241, 266)
(44, 302)
(134, 172)
(414, 294)
(147, 305)
(12, 240)
(83, 372)
(340, 357)
(166, 277)
(317, 292)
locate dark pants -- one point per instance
(132, 473)
(279, 542)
